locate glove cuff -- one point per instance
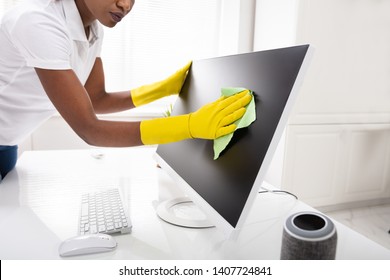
(165, 130)
(148, 93)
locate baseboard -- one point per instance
(354, 204)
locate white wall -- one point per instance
(348, 81)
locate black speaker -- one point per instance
(308, 236)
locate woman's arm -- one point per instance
(77, 107)
(102, 101)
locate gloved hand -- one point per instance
(211, 121)
(171, 85)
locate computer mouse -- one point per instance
(87, 244)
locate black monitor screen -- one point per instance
(225, 183)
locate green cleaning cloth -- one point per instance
(248, 118)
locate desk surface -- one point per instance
(39, 207)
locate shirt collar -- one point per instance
(75, 24)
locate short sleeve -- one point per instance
(42, 40)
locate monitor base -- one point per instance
(182, 212)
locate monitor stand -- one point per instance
(183, 212)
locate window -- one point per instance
(6, 4)
(157, 38)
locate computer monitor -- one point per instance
(225, 188)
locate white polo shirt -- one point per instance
(46, 34)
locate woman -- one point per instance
(50, 61)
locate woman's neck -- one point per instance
(86, 16)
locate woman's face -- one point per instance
(107, 12)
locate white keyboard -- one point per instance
(103, 212)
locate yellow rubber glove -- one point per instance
(171, 85)
(213, 120)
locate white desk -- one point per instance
(39, 206)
